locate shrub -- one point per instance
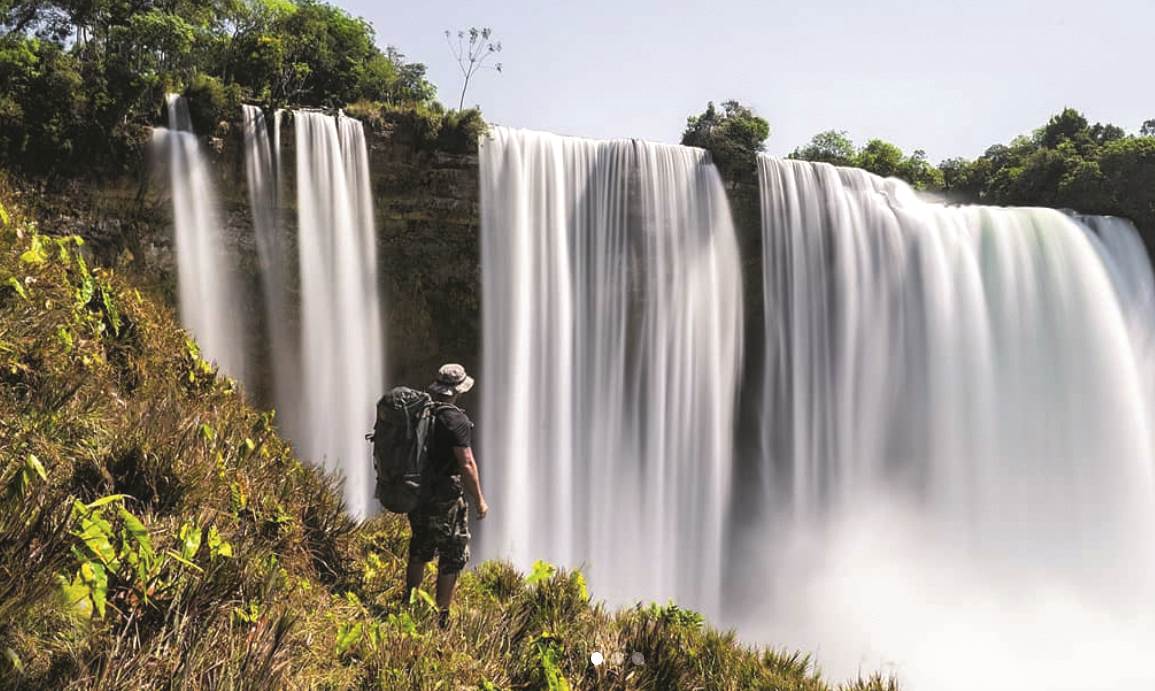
(210, 102)
(734, 137)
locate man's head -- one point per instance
(451, 381)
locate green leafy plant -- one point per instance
(423, 596)
(17, 287)
(36, 253)
(542, 571)
(249, 613)
(549, 650)
(348, 635)
(673, 615)
(21, 480)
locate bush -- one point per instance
(428, 125)
(42, 106)
(460, 131)
(210, 102)
(734, 137)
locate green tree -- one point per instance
(832, 146)
(734, 137)
(881, 158)
(920, 172)
(388, 78)
(82, 81)
(328, 49)
(41, 112)
(1128, 168)
(1069, 125)
(958, 177)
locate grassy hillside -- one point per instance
(156, 532)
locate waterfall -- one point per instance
(611, 348)
(209, 303)
(262, 176)
(957, 450)
(342, 343)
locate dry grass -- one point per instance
(242, 570)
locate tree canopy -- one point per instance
(79, 81)
(877, 156)
(1067, 163)
(734, 137)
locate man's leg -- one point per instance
(446, 582)
(413, 575)
(421, 551)
(454, 554)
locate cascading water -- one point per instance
(611, 348)
(957, 438)
(208, 299)
(263, 179)
(342, 344)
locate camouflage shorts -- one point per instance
(441, 529)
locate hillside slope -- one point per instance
(155, 532)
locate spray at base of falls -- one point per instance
(611, 292)
(206, 280)
(957, 467)
(342, 341)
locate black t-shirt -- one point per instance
(452, 428)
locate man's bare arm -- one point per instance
(471, 478)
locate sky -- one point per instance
(950, 77)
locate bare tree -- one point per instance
(472, 55)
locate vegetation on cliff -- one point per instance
(734, 136)
(81, 82)
(157, 532)
(1067, 163)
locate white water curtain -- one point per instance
(611, 349)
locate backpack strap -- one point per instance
(440, 407)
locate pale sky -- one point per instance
(950, 77)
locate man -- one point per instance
(440, 523)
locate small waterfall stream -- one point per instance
(262, 175)
(207, 285)
(342, 343)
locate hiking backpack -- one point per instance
(400, 439)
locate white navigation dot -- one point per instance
(597, 659)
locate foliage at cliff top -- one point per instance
(80, 82)
(432, 127)
(155, 531)
(1067, 163)
(734, 137)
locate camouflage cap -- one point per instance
(451, 379)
